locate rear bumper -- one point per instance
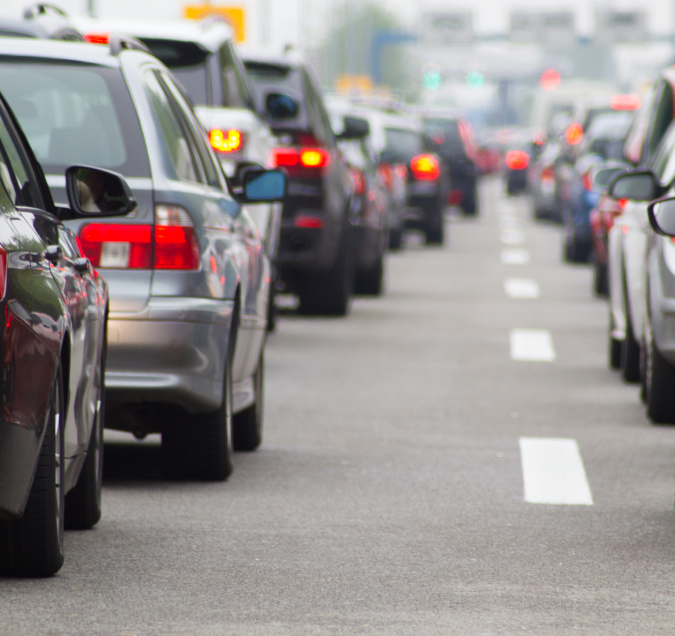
(171, 352)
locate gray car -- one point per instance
(187, 272)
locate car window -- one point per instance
(663, 164)
(405, 144)
(195, 129)
(176, 143)
(188, 63)
(662, 117)
(75, 114)
(234, 89)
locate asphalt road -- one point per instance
(389, 494)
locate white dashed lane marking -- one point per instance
(521, 288)
(532, 344)
(553, 472)
(515, 256)
(512, 237)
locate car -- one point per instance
(370, 199)
(315, 251)
(427, 183)
(42, 21)
(541, 182)
(55, 307)
(452, 139)
(516, 165)
(628, 236)
(187, 271)
(203, 57)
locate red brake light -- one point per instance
(176, 245)
(313, 158)
(170, 244)
(117, 246)
(308, 221)
(625, 102)
(386, 173)
(425, 167)
(586, 180)
(226, 140)
(359, 181)
(97, 38)
(455, 197)
(517, 160)
(547, 174)
(3, 272)
(574, 134)
(284, 157)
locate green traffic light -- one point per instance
(475, 79)
(432, 80)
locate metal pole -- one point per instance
(264, 8)
(91, 8)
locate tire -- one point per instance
(659, 384)
(470, 205)
(201, 448)
(329, 293)
(83, 502)
(247, 426)
(371, 282)
(630, 352)
(396, 238)
(33, 545)
(615, 347)
(271, 306)
(435, 227)
(600, 283)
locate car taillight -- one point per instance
(386, 173)
(3, 272)
(425, 168)
(176, 245)
(574, 134)
(586, 180)
(313, 158)
(117, 246)
(359, 181)
(626, 102)
(308, 221)
(455, 197)
(97, 38)
(517, 160)
(170, 244)
(284, 158)
(299, 160)
(547, 174)
(227, 140)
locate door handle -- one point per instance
(81, 265)
(53, 253)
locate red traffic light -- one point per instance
(549, 79)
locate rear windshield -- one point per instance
(612, 125)
(405, 144)
(272, 78)
(592, 114)
(76, 114)
(188, 63)
(444, 136)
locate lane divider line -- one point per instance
(534, 345)
(553, 472)
(512, 237)
(515, 256)
(521, 288)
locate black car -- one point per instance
(314, 252)
(53, 334)
(452, 139)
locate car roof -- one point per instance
(56, 50)
(209, 33)
(290, 58)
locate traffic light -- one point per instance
(431, 80)
(549, 79)
(475, 79)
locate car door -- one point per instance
(57, 259)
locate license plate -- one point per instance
(115, 255)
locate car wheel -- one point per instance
(33, 545)
(201, 448)
(83, 502)
(371, 282)
(600, 284)
(247, 426)
(630, 349)
(470, 205)
(271, 306)
(396, 238)
(329, 293)
(435, 227)
(659, 383)
(615, 347)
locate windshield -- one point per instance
(76, 114)
(405, 144)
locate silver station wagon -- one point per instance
(187, 272)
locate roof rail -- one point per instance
(213, 18)
(119, 43)
(42, 8)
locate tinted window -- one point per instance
(274, 78)
(405, 144)
(188, 63)
(234, 90)
(444, 136)
(76, 114)
(662, 117)
(174, 138)
(663, 164)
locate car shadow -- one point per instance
(131, 461)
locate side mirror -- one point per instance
(262, 186)
(281, 106)
(97, 192)
(662, 216)
(354, 128)
(601, 176)
(636, 186)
